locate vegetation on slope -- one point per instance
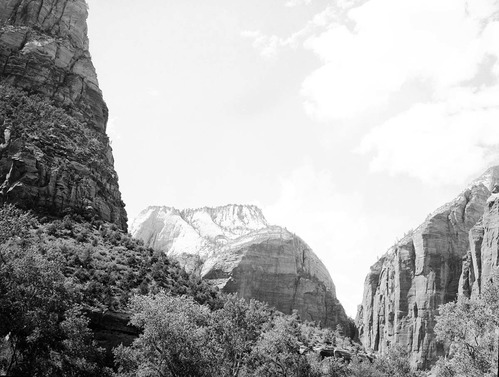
(469, 327)
(52, 271)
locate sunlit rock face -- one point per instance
(44, 53)
(237, 249)
(406, 286)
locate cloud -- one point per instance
(267, 45)
(389, 43)
(439, 143)
(388, 51)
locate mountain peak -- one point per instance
(489, 178)
(229, 217)
(235, 248)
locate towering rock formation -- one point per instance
(406, 286)
(236, 248)
(54, 154)
(482, 260)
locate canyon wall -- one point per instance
(55, 157)
(482, 260)
(406, 286)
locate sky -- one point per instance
(346, 121)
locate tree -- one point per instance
(394, 363)
(235, 328)
(467, 327)
(174, 339)
(14, 224)
(42, 331)
(277, 351)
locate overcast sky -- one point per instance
(346, 121)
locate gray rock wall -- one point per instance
(482, 260)
(405, 287)
(53, 167)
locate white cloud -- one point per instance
(441, 43)
(390, 50)
(267, 45)
(439, 143)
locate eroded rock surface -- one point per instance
(236, 248)
(405, 287)
(54, 154)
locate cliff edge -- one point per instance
(406, 286)
(55, 157)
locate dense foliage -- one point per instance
(110, 266)
(183, 338)
(469, 327)
(42, 328)
(52, 271)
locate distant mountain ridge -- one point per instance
(236, 248)
(195, 233)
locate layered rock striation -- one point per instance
(54, 154)
(406, 286)
(236, 248)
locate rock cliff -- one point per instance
(237, 249)
(482, 260)
(405, 287)
(54, 154)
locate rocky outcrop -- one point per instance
(54, 154)
(237, 249)
(406, 286)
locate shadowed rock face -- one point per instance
(51, 162)
(234, 247)
(406, 286)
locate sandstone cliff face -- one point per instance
(54, 154)
(405, 287)
(44, 47)
(482, 259)
(234, 247)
